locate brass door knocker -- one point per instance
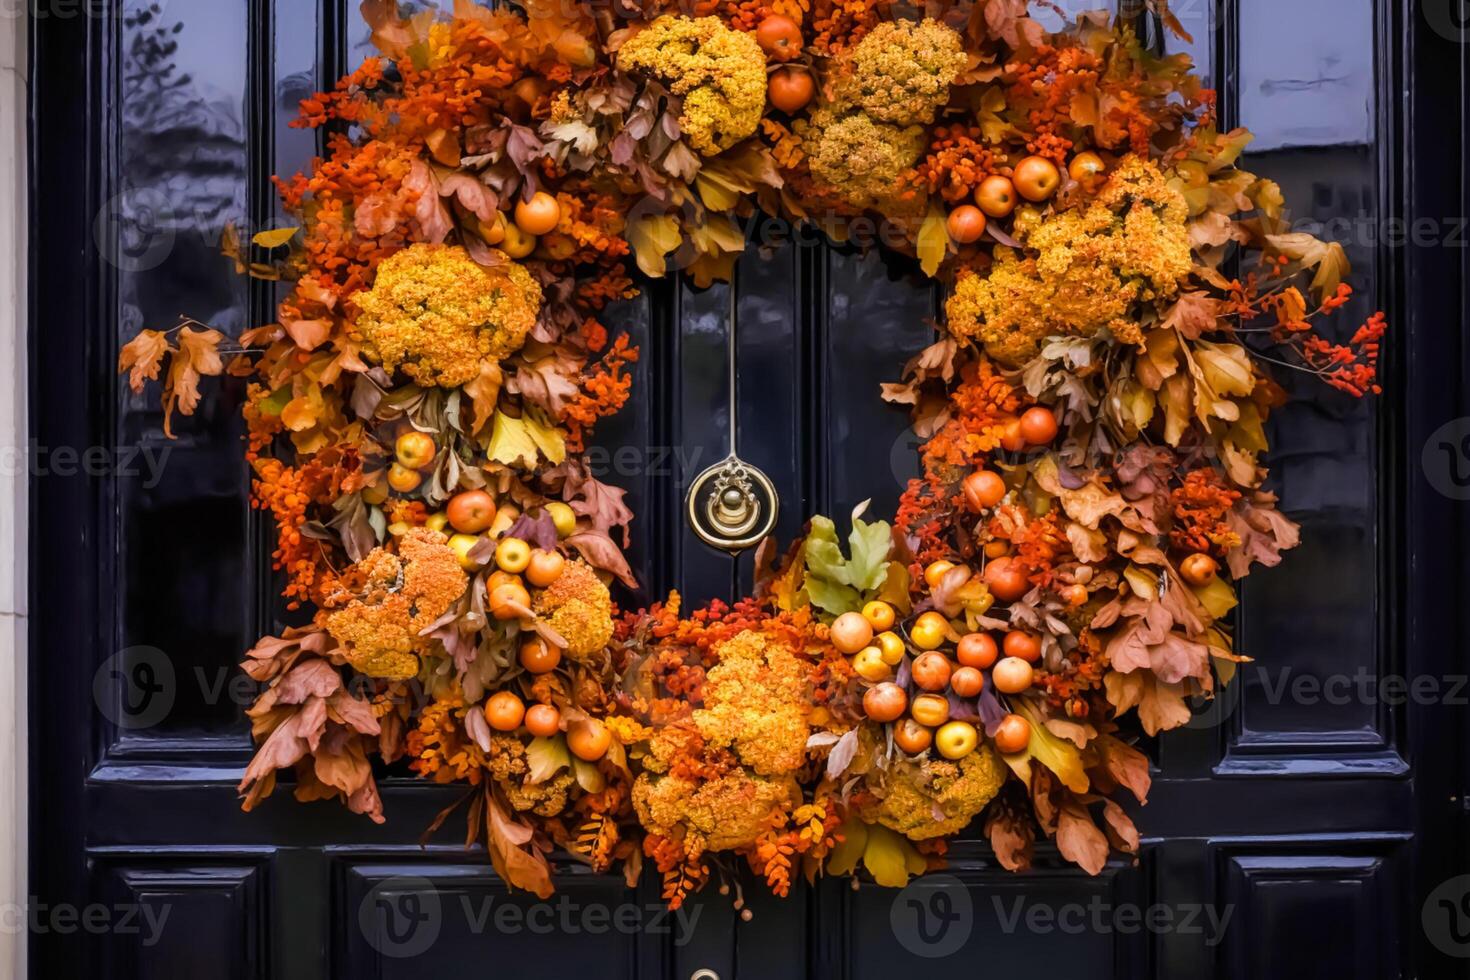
(732, 504)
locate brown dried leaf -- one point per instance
(1078, 838)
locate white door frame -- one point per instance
(14, 486)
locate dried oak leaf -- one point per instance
(514, 863)
(1126, 765)
(1078, 838)
(1160, 706)
(197, 355)
(1264, 533)
(142, 357)
(1012, 837)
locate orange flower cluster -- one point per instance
(980, 406)
(1200, 504)
(1045, 86)
(743, 15)
(920, 516)
(839, 24)
(604, 392)
(1350, 367)
(958, 160)
(360, 208)
(1080, 673)
(605, 287)
(590, 229)
(1037, 541)
(261, 427)
(286, 492)
(438, 748)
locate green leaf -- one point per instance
(870, 544)
(277, 401)
(823, 554)
(546, 756)
(835, 583)
(831, 597)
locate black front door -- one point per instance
(1309, 824)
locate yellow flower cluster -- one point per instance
(755, 709)
(719, 73)
(579, 607)
(437, 314)
(915, 794)
(756, 703)
(888, 86)
(728, 812)
(861, 159)
(901, 71)
(402, 593)
(1091, 270)
(507, 764)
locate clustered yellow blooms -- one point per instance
(726, 813)
(1091, 269)
(861, 159)
(756, 707)
(579, 607)
(901, 71)
(755, 702)
(438, 314)
(722, 813)
(888, 86)
(507, 764)
(719, 73)
(403, 593)
(915, 794)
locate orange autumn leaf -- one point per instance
(484, 390)
(506, 841)
(197, 356)
(142, 357)
(308, 334)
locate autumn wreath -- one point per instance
(1059, 577)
